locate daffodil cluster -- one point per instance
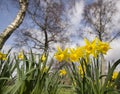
(93, 48)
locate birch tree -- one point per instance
(4, 36)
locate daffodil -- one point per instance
(74, 57)
(3, 56)
(103, 47)
(43, 58)
(62, 72)
(20, 55)
(114, 76)
(61, 55)
(90, 47)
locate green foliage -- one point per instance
(7, 68)
(33, 76)
(92, 81)
(66, 91)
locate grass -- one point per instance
(66, 91)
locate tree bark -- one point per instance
(4, 36)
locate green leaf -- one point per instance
(109, 76)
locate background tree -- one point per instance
(98, 16)
(15, 24)
(47, 25)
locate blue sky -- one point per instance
(7, 14)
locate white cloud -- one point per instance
(75, 16)
(75, 13)
(114, 53)
(116, 16)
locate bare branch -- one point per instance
(98, 16)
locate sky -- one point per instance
(74, 14)
(7, 13)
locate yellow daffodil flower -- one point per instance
(62, 72)
(61, 55)
(21, 55)
(114, 76)
(43, 58)
(80, 51)
(3, 56)
(103, 47)
(90, 47)
(74, 55)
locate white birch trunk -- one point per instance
(15, 24)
